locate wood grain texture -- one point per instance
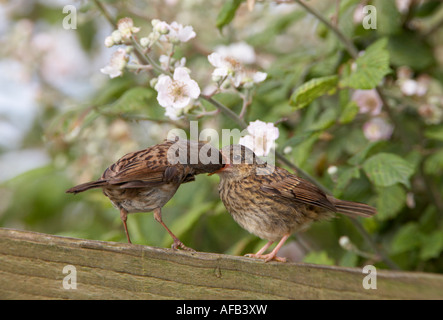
(31, 267)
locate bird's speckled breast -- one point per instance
(264, 215)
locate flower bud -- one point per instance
(145, 42)
(116, 36)
(109, 42)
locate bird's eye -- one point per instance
(237, 157)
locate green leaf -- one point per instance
(360, 156)
(388, 17)
(349, 112)
(406, 239)
(326, 119)
(434, 132)
(426, 8)
(432, 245)
(344, 178)
(408, 49)
(349, 259)
(434, 163)
(302, 151)
(390, 201)
(320, 257)
(133, 100)
(275, 28)
(313, 89)
(227, 13)
(298, 139)
(387, 169)
(370, 68)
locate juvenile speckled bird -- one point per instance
(272, 203)
(145, 180)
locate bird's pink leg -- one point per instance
(260, 252)
(177, 243)
(124, 217)
(273, 254)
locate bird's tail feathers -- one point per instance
(352, 209)
(86, 186)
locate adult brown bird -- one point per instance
(145, 180)
(272, 203)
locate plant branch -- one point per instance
(350, 47)
(105, 13)
(225, 110)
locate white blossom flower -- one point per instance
(178, 33)
(229, 67)
(126, 28)
(377, 129)
(176, 92)
(160, 26)
(368, 101)
(118, 62)
(261, 137)
(240, 51)
(224, 66)
(249, 78)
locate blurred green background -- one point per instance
(63, 122)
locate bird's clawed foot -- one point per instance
(178, 244)
(267, 257)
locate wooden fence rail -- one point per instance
(32, 265)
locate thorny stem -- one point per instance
(240, 122)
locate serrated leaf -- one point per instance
(227, 13)
(387, 169)
(370, 68)
(390, 200)
(313, 89)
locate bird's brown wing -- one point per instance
(290, 187)
(143, 168)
